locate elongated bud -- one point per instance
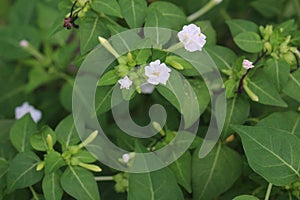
(108, 47)
(49, 141)
(175, 62)
(91, 167)
(40, 166)
(88, 140)
(251, 94)
(158, 127)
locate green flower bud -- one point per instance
(91, 167)
(74, 149)
(108, 47)
(268, 32)
(250, 93)
(89, 139)
(290, 58)
(40, 166)
(268, 47)
(122, 70)
(175, 62)
(49, 141)
(123, 60)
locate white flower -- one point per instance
(24, 43)
(247, 64)
(35, 114)
(125, 83)
(147, 88)
(192, 38)
(126, 157)
(157, 73)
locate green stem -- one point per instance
(104, 178)
(268, 191)
(34, 194)
(202, 11)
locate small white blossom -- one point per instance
(125, 83)
(192, 38)
(35, 114)
(247, 64)
(147, 88)
(157, 73)
(24, 43)
(126, 157)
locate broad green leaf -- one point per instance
(21, 132)
(160, 185)
(7, 150)
(178, 63)
(103, 99)
(66, 132)
(209, 31)
(109, 78)
(182, 169)
(246, 197)
(249, 42)
(115, 29)
(39, 140)
(3, 171)
(51, 186)
(274, 154)
(265, 91)
(222, 56)
(65, 96)
(109, 7)
(53, 161)
(292, 89)
(22, 171)
(158, 36)
(179, 92)
(171, 14)
(215, 173)
(238, 26)
(268, 8)
(90, 30)
(79, 183)
(134, 12)
(288, 26)
(237, 112)
(85, 156)
(285, 121)
(277, 71)
(201, 92)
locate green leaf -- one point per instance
(179, 92)
(22, 171)
(268, 8)
(246, 197)
(285, 121)
(3, 171)
(109, 78)
(170, 13)
(222, 56)
(215, 173)
(134, 12)
(21, 132)
(66, 132)
(266, 92)
(39, 140)
(238, 26)
(160, 184)
(90, 30)
(182, 169)
(51, 186)
(85, 156)
(79, 183)
(274, 154)
(237, 112)
(249, 42)
(201, 92)
(103, 99)
(277, 71)
(65, 95)
(292, 89)
(53, 161)
(109, 7)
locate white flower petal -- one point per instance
(125, 83)
(157, 73)
(25, 108)
(247, 64)
(192, 38)
(126, 157)
(147, 88)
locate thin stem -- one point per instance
(202, 11)
(34, 194)
(268, 191)
(176, 46)
(104, 178)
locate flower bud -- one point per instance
(290, 58)
(268, 47)
(91, 167)
(49, 141)
(175, 62)
(40, 166)
(89, 139)
(122, 70)
(251, 94)
(108, 46)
